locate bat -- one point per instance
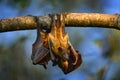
(55, 46)
(40, 54)
(67, 58)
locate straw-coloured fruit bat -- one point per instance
(55, 46)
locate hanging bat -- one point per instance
(55, 46)
(40, 54)
(67, 58)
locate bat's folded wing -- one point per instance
(40, 54)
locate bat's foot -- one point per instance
(55, 62)
(44, 66)
(34, 63)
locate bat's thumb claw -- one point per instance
(44, 66)
(34, 63)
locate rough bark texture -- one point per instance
(71, 19)
(92, 20)
(17, 23)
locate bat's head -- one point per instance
(63, 53)
(72, 63)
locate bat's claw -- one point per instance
(44, 66)
(55, 62)
(34, 63)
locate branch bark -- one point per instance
(71, 19)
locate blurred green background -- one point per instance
(99, 47)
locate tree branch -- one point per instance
(71, 19)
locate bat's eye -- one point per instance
(60, 49)
(44, 30)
